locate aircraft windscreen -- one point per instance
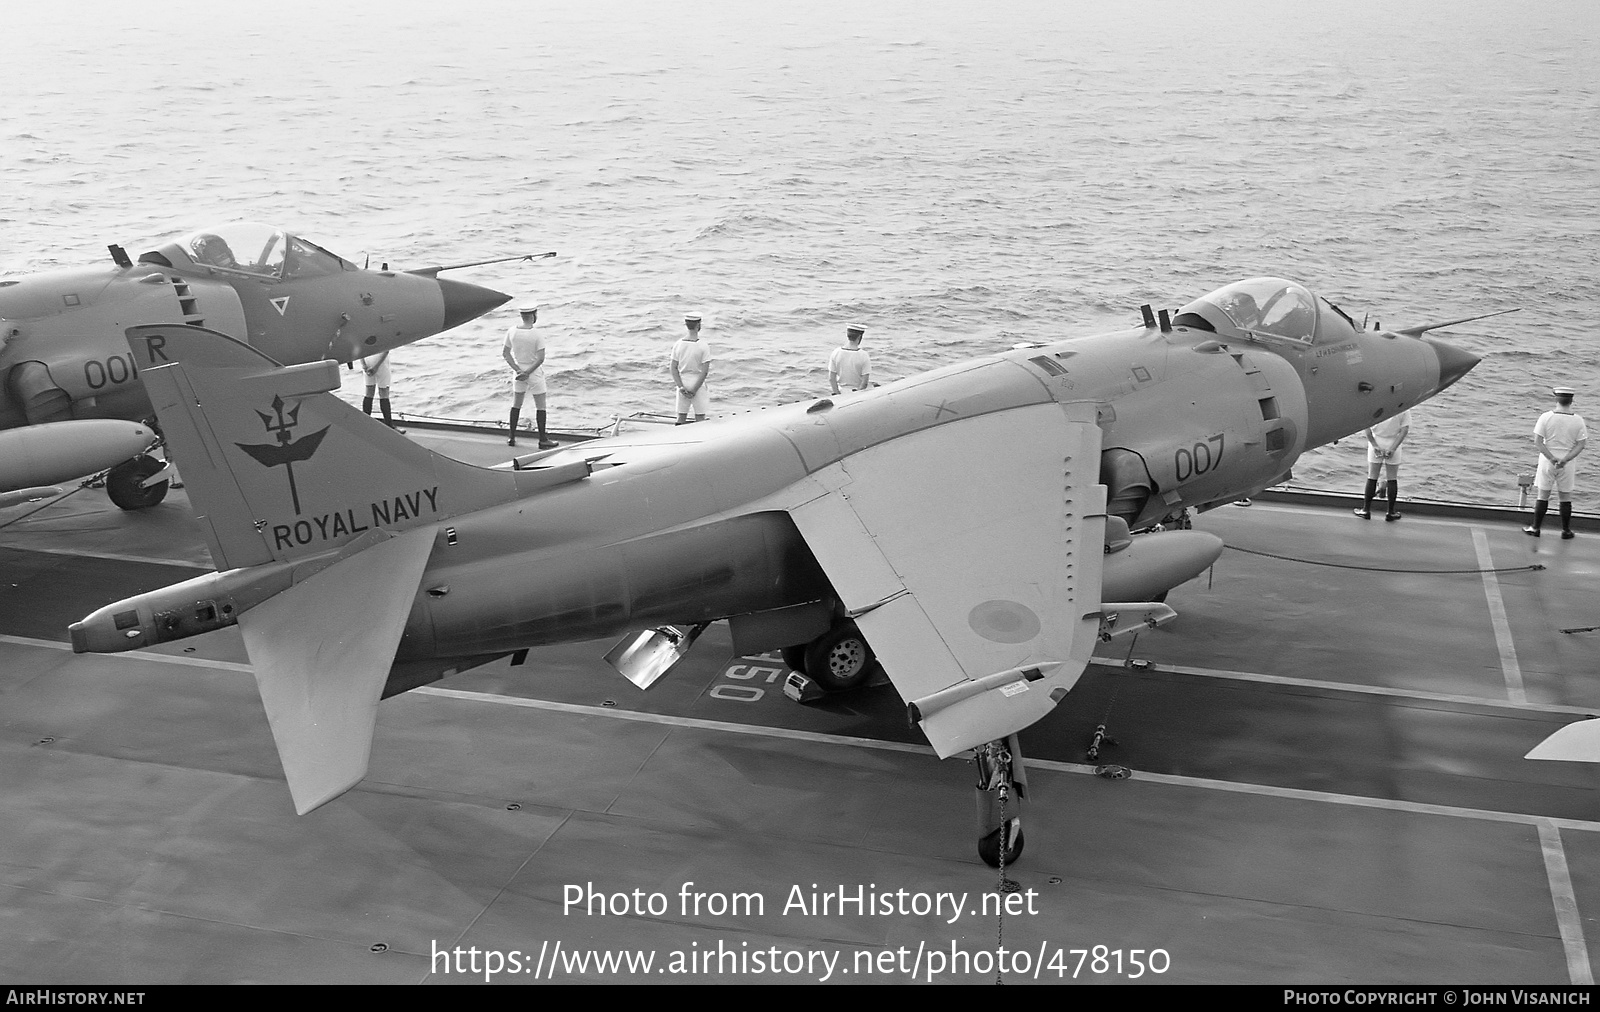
(1270, 306)
(307, 259)
(245, 246)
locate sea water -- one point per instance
(956, 177)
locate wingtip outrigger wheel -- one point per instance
(1001, 791)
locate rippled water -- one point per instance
(956, 176)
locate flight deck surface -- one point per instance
(1326, 787)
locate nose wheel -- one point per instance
(125, 484)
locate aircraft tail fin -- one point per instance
(321, 669)
(278, 468)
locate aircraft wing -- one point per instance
(969, 554)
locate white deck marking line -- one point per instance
(1414, 518)
(1566, 903)
(113, 556)
(141, 655)
(1327, 797)
(669, 720)
(1112, 662)
(1265, 790)
(1497, 617)
(1371, 690)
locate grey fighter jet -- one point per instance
(970, 528)
(64, 354)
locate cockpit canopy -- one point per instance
(249, 247)
(1265, 308)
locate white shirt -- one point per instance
(853, 366)
(1561, 431)
(525, 344)
(692, 357)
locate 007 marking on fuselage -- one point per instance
(1191, 463)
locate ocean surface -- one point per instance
(955, 176)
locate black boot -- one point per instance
(544, 442)
(366, 405)
(388, 419)
(1394, 495)
(514, 413)
(1566, 520)
(1539, 510)
(1366, 499)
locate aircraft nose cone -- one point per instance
(1453, 362)
(463, 302)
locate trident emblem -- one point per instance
(285, 451)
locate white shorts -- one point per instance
(700, 402)
(378, 377)
(532, 385)
(1395, 458)
(1548, 478)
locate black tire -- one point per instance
(840, 658)
(989, 846)
(795, 658)
(122, 483)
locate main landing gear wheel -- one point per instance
(795, 658)
(123, 483)
(839, 659)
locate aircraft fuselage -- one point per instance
(691, 523)
(957, 524)
(678, 531)
(64, 353)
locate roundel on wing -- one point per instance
(1004, 621)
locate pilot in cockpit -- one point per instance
(214, 250)
(1242, 310)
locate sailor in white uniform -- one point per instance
(690, 365)
(1560, 436)
(524, 353)
(850, 366)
